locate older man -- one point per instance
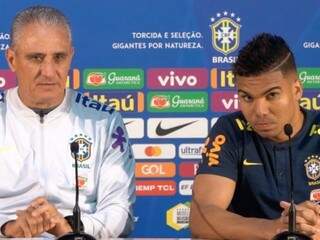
(39, 120)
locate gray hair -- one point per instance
(38, 14)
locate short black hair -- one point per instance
(264, 53)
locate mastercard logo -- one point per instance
(152, 151)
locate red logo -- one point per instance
(160, 102)
(315, 195)
(188, 169)
(7, 79)
(156, 188)
(152, 151)
(96, 79)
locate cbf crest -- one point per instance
(225, 32)
(312, 167)
(85, 145)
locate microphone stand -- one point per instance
(76, 234)
(292, 233)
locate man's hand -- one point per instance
(26, 225)
(41, 216)
(307, 218)
(56, 222)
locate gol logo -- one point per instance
(152, 151)
(212, 153)
(155, 169)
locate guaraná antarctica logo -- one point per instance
(225, 32)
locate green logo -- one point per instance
(177, 101)
(104, 78)
(309, 77)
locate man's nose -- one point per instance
(261, 107)
(47, 68)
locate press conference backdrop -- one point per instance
(165, 65)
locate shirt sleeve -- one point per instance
(116, 186)
(220, 152)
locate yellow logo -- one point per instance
(178, 216)
(225, 32)
(247, 163)
(242, 125)
(312, 166)
(214, 150)
(315, 130)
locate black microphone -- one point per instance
(77, 234)
(292, 233)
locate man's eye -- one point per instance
(272, 95)
(36, 58)
(59, 57)
(246, 98)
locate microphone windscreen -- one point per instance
(74, 147)
(288, 129)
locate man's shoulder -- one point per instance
(86, 107)
(234, 122)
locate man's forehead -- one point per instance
(38, 39)
(42, 31)
(261, 83)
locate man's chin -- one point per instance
(49, 100)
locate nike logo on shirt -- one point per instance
(247, 163)
(163, 132)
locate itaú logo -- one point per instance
(310, 101)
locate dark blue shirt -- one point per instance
(260, 167)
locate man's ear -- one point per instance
(11, 59)
(298, 89)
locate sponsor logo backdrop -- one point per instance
(165, 65)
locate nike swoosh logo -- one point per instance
(127, 123)
(247, 163)
(163, 132)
